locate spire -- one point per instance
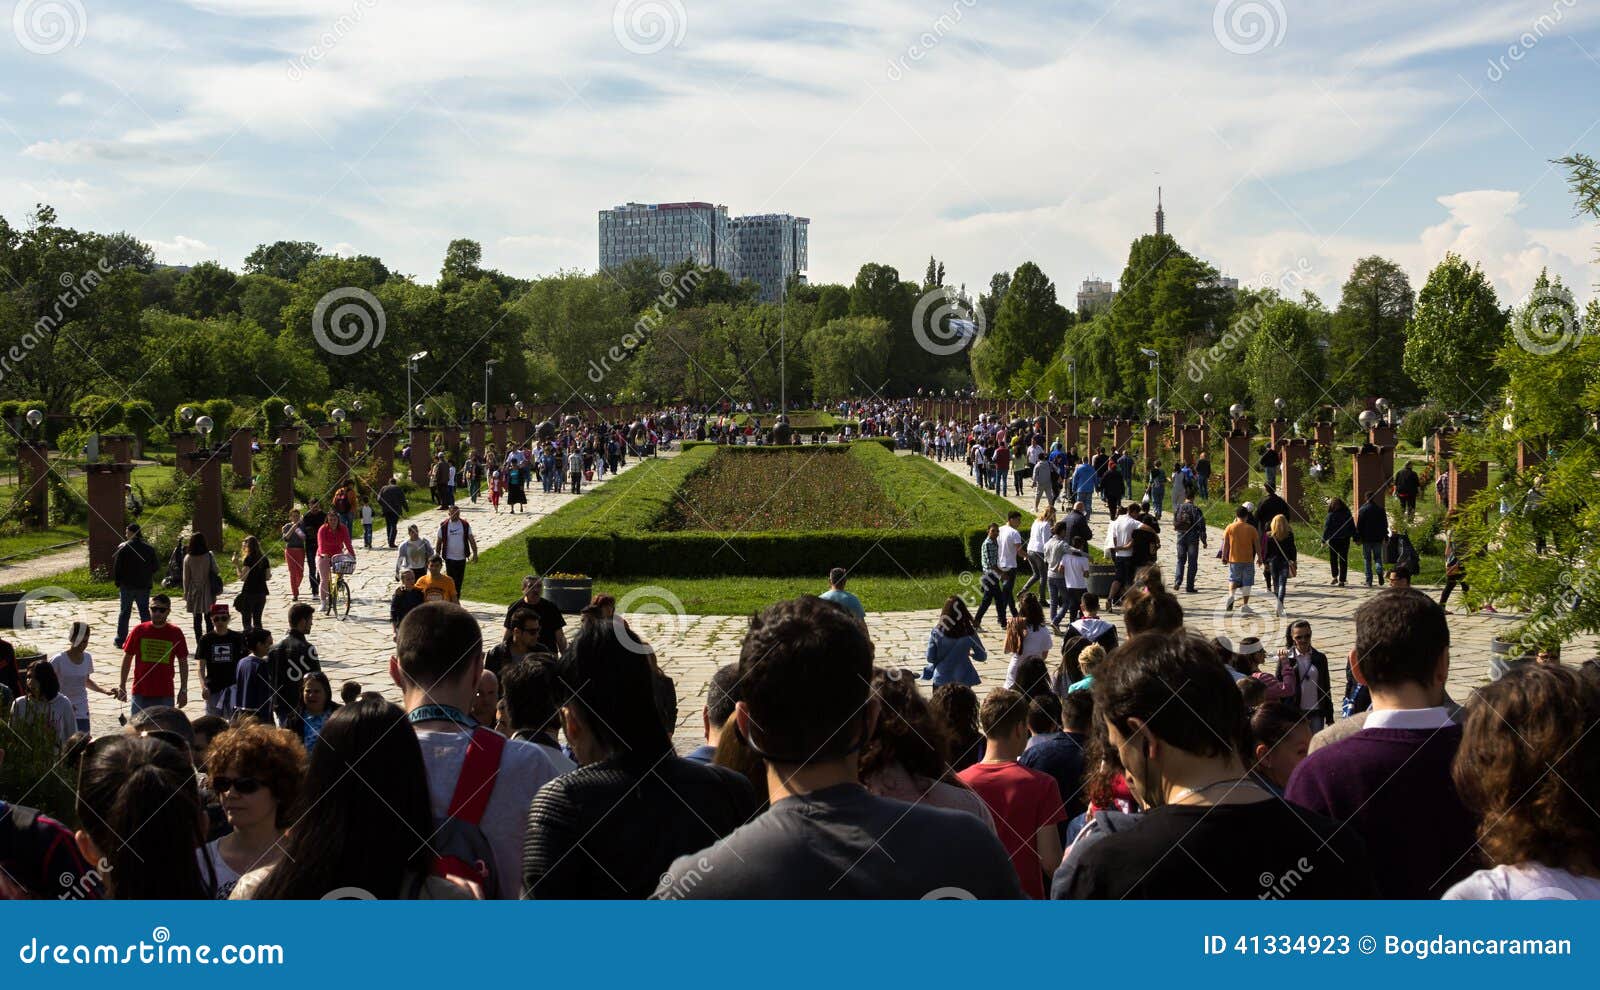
(1161, 216)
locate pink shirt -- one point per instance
(332, 537)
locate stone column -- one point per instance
(325, 436)
(1322, 432)
(1236, 464)
(1072, 431)
(1382, 436)
(1179, 417)
(1296, 458)
(116, 448)
(420, 455)
(1467, 480)
(475, 434)
(1097, 427)
(107, 482)
(1277, 432)
(206, 470)
(1366, 474)
(33, 457)
(183, 443)
(452, 439)
(240, 457)
(382, 448)
(288, 446)
(1528, 456)
(500, 410)
(497, 430)
(1190, 444)
(1152, 441)
(1121, 433)
(520, 428)
(359, 441)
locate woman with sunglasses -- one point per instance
(1304, 671)
(255, 770)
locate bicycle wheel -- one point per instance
(342, 594)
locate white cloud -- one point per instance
(71, 98)
(183, 250)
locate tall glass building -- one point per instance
(667, 232)
(769, 249)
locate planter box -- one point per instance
(569, 596)
(1100, 578)
(13, 613)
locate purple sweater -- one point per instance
(1393, 786)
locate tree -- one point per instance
(878, 291)
(989, 301)
(282, 259)
(207, 289)
(262, 299)
(1030, 323)
(845, 352)
(1454, 334)
(463, 259)
(832, 302)
(1367, 336)
(1283, 361)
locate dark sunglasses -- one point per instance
(526, 631)
(242, 786)
(1302, 635)
(159, 610)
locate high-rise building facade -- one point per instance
(769, 249)
(666, 232)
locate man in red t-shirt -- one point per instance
(1026, 804)
(150, 650)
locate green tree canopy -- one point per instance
(1454, 335)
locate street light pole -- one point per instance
(411, 367)
(488, 372)
(1155, 357)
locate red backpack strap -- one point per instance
(478, 771)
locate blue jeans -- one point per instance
(1372, 558)
(1000, 481)
(1188, 563)
(1278, 578)
(128, 598)
(1272, 477)
(139, 702)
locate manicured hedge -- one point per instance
(616, 530)
(887, 443)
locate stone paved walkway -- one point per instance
(691, 648)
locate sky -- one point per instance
(1290, 138)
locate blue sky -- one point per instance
(1289, 136)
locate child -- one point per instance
(219, 653)
(251, 693)
(350, 693)
(366, 524)
(316, 704)
(406, 597)
(494, 490)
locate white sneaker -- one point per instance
(1246, 610)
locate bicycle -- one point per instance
(340, 565)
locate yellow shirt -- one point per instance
(437, 589)
(1243, 543)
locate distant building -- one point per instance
(666, 232)
(1095, 295)
(1161, 215)
(1222, 282)
(769, 249)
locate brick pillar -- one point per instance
(497, 430)
(520, 428)
(1382, 436)
(500, 410)
(452, 438)
(183, 443)
(1443, 446)
(206, 470)
(1178, 419)
(381, 447)
(1152, 441)
(1467, 480)
(33, 457)
(1205, 434)
(419, 455)
(1296, 458)
(1236, 464)
(325, 436)
(1190, 444)
(358, 435)
(1121, 433)
(116, 448)
(240, 457)
(1277, 432)
(1097, 427)
(288, 446)
(341, 450)
(385, 423)
(475, 434)
(1072, 431)
(107, 482)
(1527, 456)
(1322, 432)
(1366, 474)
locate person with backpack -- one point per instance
(133, 569)
(1189, 527)
(1399, 553)
(480, 784)
(1372, 526)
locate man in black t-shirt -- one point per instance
(311, 520)
(551, 621)
(219, 652)
(1210, 829)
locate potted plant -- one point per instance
(568, 592)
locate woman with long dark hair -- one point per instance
(141, 814)
(956, 707)
(1027, 635)
(1338, 529)
(253, 568)
(350, 840)
(908, 755)
(200, 582)
(953, 646)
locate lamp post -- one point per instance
(410, 370)
(1155, 364)
(488, 373)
